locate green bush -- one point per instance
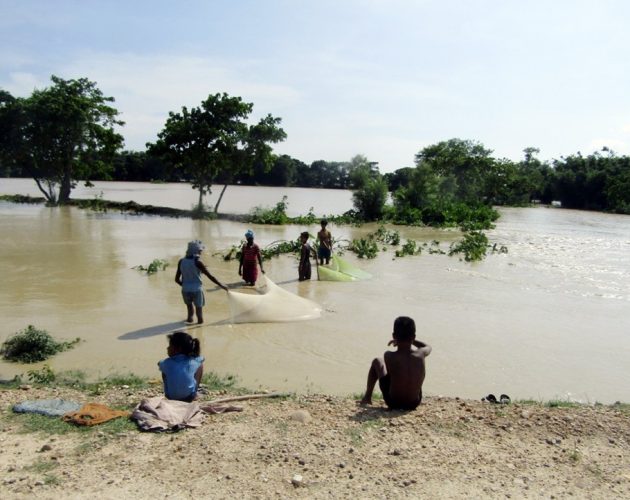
(32, 345)
(276, 215)
(409, 248)
(474, 246)
(364, 248)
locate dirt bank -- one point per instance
(323, 447)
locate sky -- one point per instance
(381, 78)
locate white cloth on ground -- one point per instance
(161, 414)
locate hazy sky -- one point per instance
(383, 78)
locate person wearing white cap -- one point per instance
(188, 276)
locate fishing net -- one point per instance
(341, 270)
(271, 304)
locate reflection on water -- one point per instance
(547, 320)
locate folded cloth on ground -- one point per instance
(93, 414)
(161, 414)
(48, 407)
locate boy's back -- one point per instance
(406, 370)
(400, 374)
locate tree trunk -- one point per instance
(49, 195)
(200, 202)
(216, 207)
(65, 188)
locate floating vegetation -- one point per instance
(155, 266)
(409, 248)
(473, 246)
(32, 345)
(274, 249)
(434, 248)
(386, 236)
(365, 248)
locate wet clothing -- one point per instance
(323, 252)
(179, 376)
(304, 269)
(192, 287)
(384, 383)
(250, 256)
(198, 299)
(191, 275)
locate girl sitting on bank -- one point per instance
(183, 369)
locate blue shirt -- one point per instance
(179, 375)
(191, 275)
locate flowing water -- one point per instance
(547, 320)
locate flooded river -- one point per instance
(547, 320)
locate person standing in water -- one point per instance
(304, 267)
(188, 276)
(325, 244)
(250, 260)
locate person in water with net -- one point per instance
(188, 276)
(183, 369)
(250, 260)
(304, 267)
(400, 374)
(325, 244)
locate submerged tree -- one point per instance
(60, 134)
(213, 143)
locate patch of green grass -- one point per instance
(530, 402)
(575, 456)
(624, 407)
(52, 480)
(357, 433)
(41, 466)
(562, 403)
(34, 423)
(214, 382)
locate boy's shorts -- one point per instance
(323, 253)
(196, 298)
(383, 384)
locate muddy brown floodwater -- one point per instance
(549, 319)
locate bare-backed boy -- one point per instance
(400, 373)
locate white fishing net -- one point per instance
(270, 304)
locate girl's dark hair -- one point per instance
(184, 343)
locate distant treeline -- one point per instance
(68, 132)
(599, 181)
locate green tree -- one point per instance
(369, 200)
(60, 134)
(461, 167)
(213, 143)
(361, 170)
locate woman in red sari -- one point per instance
(250, 253)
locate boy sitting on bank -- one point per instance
(400, 373)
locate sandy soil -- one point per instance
(324, 447)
